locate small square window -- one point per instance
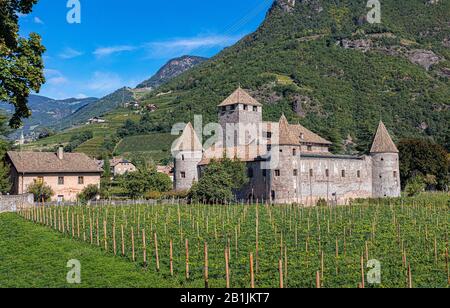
(245, 107)
(183, 175)
(343, 173)
(255, 109)
(327, 173)
(295, 172)
(277, 173)
(269, 148)
(294, 152)
(311, 172)
(358, 174)
(81, 180)
(264, 173)
(395, 174)
(61, 180)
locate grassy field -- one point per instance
(155, 146)
(407, 236)
(34, 256)
(114, 120)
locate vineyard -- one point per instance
(265, 246)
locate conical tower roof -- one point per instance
(286, 136)
(240, 97)
(382, 142)
(188, 141)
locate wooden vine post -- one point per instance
(227, 269)
(187, 259)
(171, 257)
(156, 252)
(133, 256)
(280, 269)
(252, 274)
(144, 248)
(123, 240)
(206, 266)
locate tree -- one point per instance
(5, 184)
(89, 193)
(419, 157)
(219, 181)
(41, 191)
(160, 182)
(21, 64)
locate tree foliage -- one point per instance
(21, 64)
(138, 184)
(219, 181)
(423, 158)
(89, 193)
(41, 191)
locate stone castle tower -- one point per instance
(287, 163)
(188, 153)
(238, 110)
(385, 165)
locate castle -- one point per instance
(287, 163)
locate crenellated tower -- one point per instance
(385, 165)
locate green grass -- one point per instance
(156, 146)
(33, 256)
(386, 228)
(92, 147)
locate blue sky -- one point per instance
(121, 43)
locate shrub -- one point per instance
(415, 186)
(41, 191)
(89, 193)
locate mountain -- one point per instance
(47, 110)
(170, 70)
(173, 68)
(324, 65)
(96, 109)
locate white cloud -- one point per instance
(21, 15)
(187, 45)
(37, 20)
(102, 82)
(81, 96)
(70, 53)
(57, 81)
(54, 77)
(107, 51)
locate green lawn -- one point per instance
(34, 256)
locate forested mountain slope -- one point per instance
(324, 65)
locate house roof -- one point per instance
(240, 97)
(382, 142)
(188, 141)
(43, 162)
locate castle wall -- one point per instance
(258, 186)
(347, 178)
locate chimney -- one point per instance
(61, 152)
